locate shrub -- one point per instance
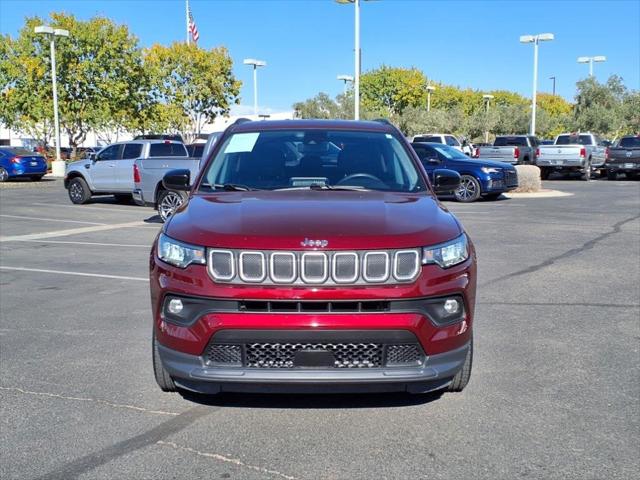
(528, 179)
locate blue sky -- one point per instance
(308, 42)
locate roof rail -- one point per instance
(241, 120)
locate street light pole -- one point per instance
(535, 39)
(487, 98)
(554, 85)
(255, 63)
(58, 167)
(346, 79)
(430, 89)
(590, 60)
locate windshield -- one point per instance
(450, 153)
(312, 158)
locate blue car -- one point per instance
(479, 178)
(19, 162)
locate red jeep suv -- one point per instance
(312, 256)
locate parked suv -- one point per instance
(312, 255)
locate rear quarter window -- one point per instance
(429, 138)
(167, 150)
(510, 142)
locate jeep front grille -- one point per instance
(314, 267)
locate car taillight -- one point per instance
(476, 152)
(583, 152)
(516, 152)
(606, 154)
(537, 152)
(136, 174)
(16, 159)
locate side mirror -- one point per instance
(177, 180)
(92, 156)
(445, 181)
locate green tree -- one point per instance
(389, 90)
(196, 84)
(99, 70)
(600, 106)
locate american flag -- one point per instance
(193, 29)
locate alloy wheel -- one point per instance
(4, 175)
(467, 189)
(169, 203)
(76, 192)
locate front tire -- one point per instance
(79, 192)
(163, 379)
(469, 189)
(4, 175)
(168, 203)
(462, 377)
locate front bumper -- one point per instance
(192, 373)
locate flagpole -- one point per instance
(187, 20)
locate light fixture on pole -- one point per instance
(346, 79)
(430, 88)
(591, 60)
(554, 84)
(356, 80)
(58, 166)
(255, 63)
(535, 39)
(487, 98)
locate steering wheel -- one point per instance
(366, 176)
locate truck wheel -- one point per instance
(168, 202)
(462, 377)
(611, 175)
(544, 173)
(79, 192)
(163, 379)
(586, 172)
(469, 189)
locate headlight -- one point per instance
(490, 170)
(179, 254)
(447, 254)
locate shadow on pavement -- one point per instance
(309, 401)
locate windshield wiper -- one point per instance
(230, 187)
(320, 186)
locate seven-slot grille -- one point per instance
(314, 267)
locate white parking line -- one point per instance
(97, 244)
(53, 220)
(80, 274)
(73, 231)
(106, 208)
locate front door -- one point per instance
(103, 169)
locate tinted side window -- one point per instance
(452, 141)
(429, 138)
(167, 150)
(110, 153)
(132, 150)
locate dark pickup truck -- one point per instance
(624, 157)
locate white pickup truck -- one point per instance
(572, 152)
(148, 188)
(111, 171)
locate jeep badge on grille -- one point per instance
(314, 243)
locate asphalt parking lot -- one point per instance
(555, 391)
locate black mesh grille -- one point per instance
(283, 267)
(409, 355)
(376, 266)
(345, 267)
(511, 178)
(253, 266)
(314, 267)
(225, 355)
(282, 355)
(406, 264)
(222, 264)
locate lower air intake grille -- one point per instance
(282, 355)
(404, 355)
(225, 355)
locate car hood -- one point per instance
(481, 163)
(282, 220)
